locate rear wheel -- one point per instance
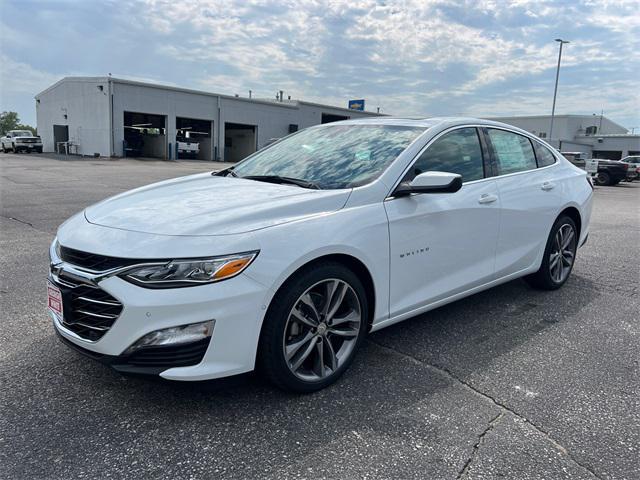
(313, 328)
(559, 256)
(603, 178)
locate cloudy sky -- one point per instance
(422, 57)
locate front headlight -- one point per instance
(188, 273)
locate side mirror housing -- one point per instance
(430, 182)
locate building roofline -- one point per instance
(611, 135)
(568, 115)
(284, 104)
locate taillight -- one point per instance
(590, 181)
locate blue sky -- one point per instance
(424, 57)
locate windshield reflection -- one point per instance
(332, 156)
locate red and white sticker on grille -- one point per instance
(54, 299)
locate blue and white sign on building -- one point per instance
(356, 105)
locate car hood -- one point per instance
(209, 205)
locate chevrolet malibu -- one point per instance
(285, 261)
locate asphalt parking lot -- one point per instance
(509, 383)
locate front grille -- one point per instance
(88, 311)
(167, 356)
(93, 261)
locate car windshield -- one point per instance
(21, 133)
(332, 156)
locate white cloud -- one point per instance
(20, 78)
(411, 56)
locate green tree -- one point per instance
(8, 121)
(11, 121)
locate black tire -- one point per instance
(544, 279)
(4, 150)
(13, 148)
(39, 150)
(271, 356)
(602, 179)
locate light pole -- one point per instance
(555, 90)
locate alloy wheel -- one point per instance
(562, 253)
(322, 329)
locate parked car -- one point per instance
(633, 172)
(611, 172)
(21, 140)
(288, 259)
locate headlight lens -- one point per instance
(187, 273)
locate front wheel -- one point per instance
(313, 328)
(559, 256)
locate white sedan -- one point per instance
(285, 261)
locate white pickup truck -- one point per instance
(187, 148)
(20, 140)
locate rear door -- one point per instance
(443, 244)
(529, 198)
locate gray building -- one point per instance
(595, 135)
(114, 117)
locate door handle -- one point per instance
(546, 186)
(487, 198)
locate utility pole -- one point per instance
(555, 90)
(600, 126)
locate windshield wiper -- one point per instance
(283, 180)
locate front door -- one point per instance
(443, 244)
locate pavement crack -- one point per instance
(24, 222)
(18, 220)
(494, 421)
(504, 408)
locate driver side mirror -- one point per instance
(430, 182)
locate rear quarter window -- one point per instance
(544, 156)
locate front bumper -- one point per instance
(236, 305)
(28, 146)
(149, 360)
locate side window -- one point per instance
(455, 152)
(514, 152)
(544, 156)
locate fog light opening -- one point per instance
(174, 336)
